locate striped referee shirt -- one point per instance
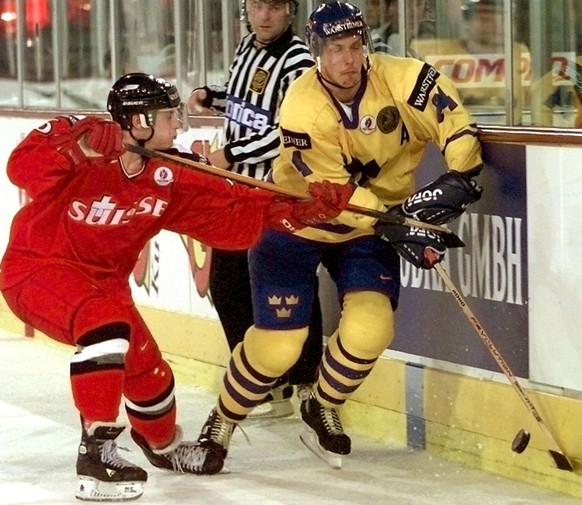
(258, 80)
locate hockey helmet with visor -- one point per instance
(145, 95)
(335, 20)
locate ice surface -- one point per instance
(39, 434)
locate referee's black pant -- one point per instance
(230, 289)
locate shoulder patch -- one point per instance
(296, 139)
(425, 82)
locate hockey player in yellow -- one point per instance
(362, 122)
(376, 142)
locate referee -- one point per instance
(266, 62)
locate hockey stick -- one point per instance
(560, 458)
(449, 238)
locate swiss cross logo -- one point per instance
(106, 212)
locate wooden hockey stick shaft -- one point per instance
(250, 181)
(560, 458)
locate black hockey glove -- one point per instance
(418, 246)
(443, 200)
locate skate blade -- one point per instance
(309, 438)
(272, 410)
(90, 489)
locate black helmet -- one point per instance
(335, 19)
(142, 94)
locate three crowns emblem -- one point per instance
(283, 305)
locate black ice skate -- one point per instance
(215, 437)
(323, 433)
(179, 456)
(103, 474)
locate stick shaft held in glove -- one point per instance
(269, 186)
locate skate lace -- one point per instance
(110, 457)
(220, 431)
(331, 421)
(187, 456)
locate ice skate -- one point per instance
(214, 439)
(103, 474)
(323, 433)
(179, 456)
(277, 404)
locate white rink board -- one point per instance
(554, 185)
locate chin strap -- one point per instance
(141, 142)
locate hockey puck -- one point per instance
(520, 441)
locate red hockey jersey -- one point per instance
(97, 219)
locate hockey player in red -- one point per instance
(73, 247)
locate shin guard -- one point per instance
(254, 367)
(366, 329)
(151, 405)
(98, 372)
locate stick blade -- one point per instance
(561, 461)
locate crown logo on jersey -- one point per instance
(275, 300)
(283, 313)
(291, 300)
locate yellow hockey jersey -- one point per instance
(377, 141)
